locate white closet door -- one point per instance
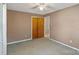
(1, 28)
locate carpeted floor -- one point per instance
(41, 46)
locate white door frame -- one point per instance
(31, 27)
(4, 30)
(44, 26)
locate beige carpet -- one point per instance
(41, 46)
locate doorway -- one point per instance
(37, 27)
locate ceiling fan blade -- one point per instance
(35, 7)
(50, 7)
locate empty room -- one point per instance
(43, 29)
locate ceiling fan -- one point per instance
(42, 6)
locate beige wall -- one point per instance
(19, 25)
(65, 26)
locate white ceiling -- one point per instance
(27, 7)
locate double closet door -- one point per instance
(37, 27)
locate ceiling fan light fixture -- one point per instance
(41, 8)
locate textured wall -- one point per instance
(65, 26)
(19, 25)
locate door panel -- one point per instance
(34, 28)
(40, 27)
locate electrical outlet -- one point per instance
(70, 41)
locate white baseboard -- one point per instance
(65, 44)
(47, 36)
(18, 41)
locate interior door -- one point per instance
(37, 27)
(40, 27)
(34, 28)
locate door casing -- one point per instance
(44, 26)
